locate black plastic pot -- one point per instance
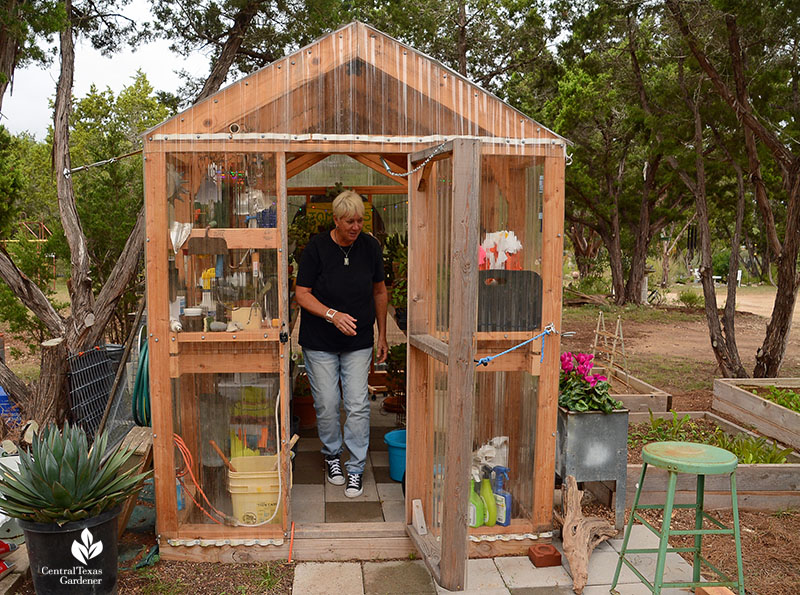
(68, 559)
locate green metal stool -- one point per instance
(700, 460)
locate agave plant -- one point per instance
(63, 480)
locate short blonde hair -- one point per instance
(348, 203)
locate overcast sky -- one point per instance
(28, 106)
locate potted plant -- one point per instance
(66, 497)
(592, 428)
(396, 379)
(396, 267)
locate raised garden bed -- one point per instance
(635, 394)
(766, 488)
(734, 397)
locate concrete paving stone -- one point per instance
(637, 589)
(394, 511)
(308, 475)
(641, 537)
(353, 512)
(310, 459)
(382, 475)
(314, 578)
(676, 568)
(602, 566)
(309, 444)
(308, 503)
(519, 572)
(376, 443)
(400, 577)
(390, 491)
(379, 459)
(483, 578)
(336, 493)
(542, 591)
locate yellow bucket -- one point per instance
(254, 489)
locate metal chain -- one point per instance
(435, 152)
(69, 172)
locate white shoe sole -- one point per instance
(353, 494)
(337, 481)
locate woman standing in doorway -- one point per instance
(341, 290)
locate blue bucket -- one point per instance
(396, 441)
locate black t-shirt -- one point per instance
(346, 288)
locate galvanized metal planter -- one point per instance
(593, 446)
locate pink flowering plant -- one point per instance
(579, 389)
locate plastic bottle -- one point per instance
(487, 495)
(475, 506)
(501, 497)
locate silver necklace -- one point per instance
(346, 254)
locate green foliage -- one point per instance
(785, 397)
(751, 449)
(748, 449)
(63, 480)
(11, 184)
(31, 257)
(580, 391)
(396, 368)
(719, 262)
(395, 263)
(680, 429)
(304, 226)
(690, 299)
(592, 285)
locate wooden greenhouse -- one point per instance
(484, 189)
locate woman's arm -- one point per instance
(381, 304)
(342, 321)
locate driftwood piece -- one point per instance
(580, 534)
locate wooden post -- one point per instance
(461, 368)
(285, 350)
(419, 414)
(157, 236)
(552, 249)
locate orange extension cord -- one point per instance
(188, 463)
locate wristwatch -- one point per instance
(330, 314)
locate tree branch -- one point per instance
(30, 295)
(117, 281)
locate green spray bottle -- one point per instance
(475, 506)
(501, 496)
(489, 504)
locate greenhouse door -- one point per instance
(442, 299)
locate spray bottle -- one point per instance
(501, 496)
(489, 504)
(475, 506)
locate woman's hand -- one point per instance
(383, 349)
(345, 323)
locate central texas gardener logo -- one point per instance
(87, 548)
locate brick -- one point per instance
(713, 591)
(544, 555)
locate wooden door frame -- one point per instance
(446, 559)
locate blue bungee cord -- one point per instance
(548, 330)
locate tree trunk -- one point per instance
(221, 67)
(49, 402)
(9, 46)
(614, 249)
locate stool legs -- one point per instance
(664, 535)
(698, 524)
(736, 534)
(629, 526)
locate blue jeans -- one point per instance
(325, 370)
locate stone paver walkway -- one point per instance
(491, 576)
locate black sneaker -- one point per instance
(354, 486)
(333, 470)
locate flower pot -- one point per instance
(78, 557)
(593, 446)
(303, 407)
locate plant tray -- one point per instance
(767, 417)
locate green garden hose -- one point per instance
(140, 401)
